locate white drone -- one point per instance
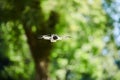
(53, 37)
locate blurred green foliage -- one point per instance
(86, 56)
(17, 52)
(83, 56)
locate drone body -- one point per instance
(53, 37)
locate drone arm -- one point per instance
(45, 37)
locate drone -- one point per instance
(53, 37)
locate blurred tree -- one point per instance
(81, 58)
(29, 15)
